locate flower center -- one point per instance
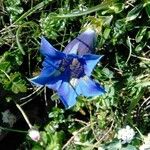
(73, 67)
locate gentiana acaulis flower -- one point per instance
(68, 72)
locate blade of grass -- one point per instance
(130, 49)
(18, 42)
(99, 7)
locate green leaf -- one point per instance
(148, 35)
(148, 10)
(114, 146)
(44, 137)
(54, 97)
(106, 33)
(5, 66)
(134, 12)
(129, 147)
(147, 7)
(115, 8)
(108, 73)
(15, 83)
(139, 47)
(55, 141)
(37, 147)
(14, 9)
(140, 34)
(51, 26)
(18, 87)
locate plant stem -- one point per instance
(24, 115)
(81, 13)
(12, 130)
(5, 74)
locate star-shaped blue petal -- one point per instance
(88, 87)
(90, 63)
(47, 49)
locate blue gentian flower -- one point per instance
(69, 72)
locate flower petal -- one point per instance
(56, 80)
(50, 63)
(44, 76)
(47, 49)
(86, 42)
(54, 83)
(90, 63)
(88, 87)
(74, 49)
(67, 94)
(64, 89)
(39, 81)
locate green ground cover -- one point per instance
(123, 34)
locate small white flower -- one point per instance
(8, 118)
(126, 134)
(146, 144)
(34, 134)
(145, 147)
